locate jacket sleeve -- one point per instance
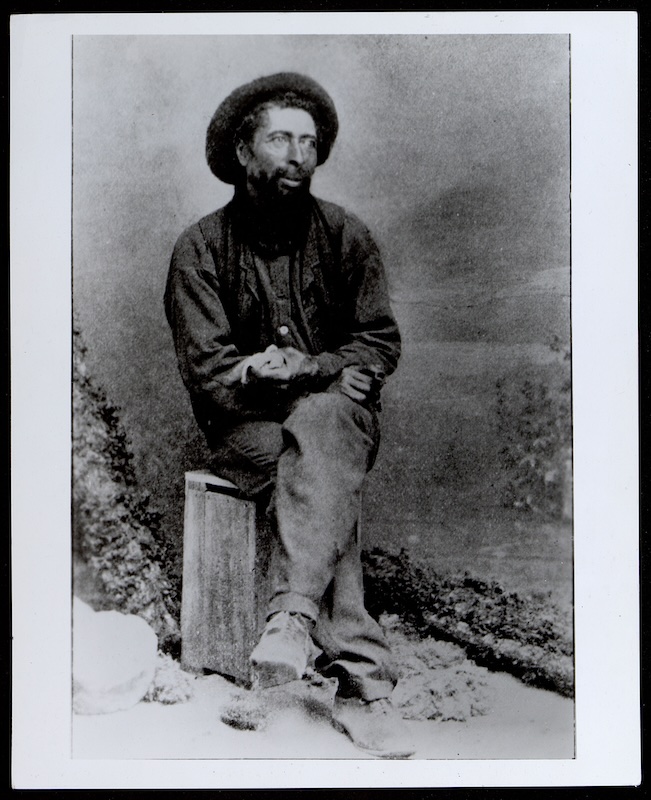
(209, 361)
(370, 332)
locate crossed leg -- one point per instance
(315, 462)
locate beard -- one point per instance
(275, 212)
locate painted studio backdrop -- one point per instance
(454, 150)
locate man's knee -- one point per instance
(333, 408)
(261, 443)
(331, 416)
(248, 454)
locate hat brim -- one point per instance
(220, 138)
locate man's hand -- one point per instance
(254, 366)
(278, 364)
(362, 384)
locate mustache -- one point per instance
(292, 174)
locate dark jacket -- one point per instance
(213, 305)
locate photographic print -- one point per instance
(432, 244)
(337, 336)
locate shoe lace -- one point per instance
(287, 624)
(382, 706)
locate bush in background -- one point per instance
(120, 555)
(527, 636)
(535, 428)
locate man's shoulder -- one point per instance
(203, 231)
(339, 218)
(211, 225)
(331, 211)
(196, 240)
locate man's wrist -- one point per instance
(310, 367)
(329, 365)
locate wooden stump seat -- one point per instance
(225, 558)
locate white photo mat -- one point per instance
(605, 348)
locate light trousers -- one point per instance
(314, 464)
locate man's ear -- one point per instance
(243, 153)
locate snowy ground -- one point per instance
(478, 715)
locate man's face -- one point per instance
(281, 158)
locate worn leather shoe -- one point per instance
(283, 652)
(374, 726)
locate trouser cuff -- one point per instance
(295, 603)
(372, 683)
(368, 690)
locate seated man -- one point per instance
(283, 331)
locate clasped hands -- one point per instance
(282, 365)
(278, 364)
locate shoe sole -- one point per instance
(397, 754)
(267, 674)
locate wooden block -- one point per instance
(225, 559)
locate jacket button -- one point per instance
(283, 330)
